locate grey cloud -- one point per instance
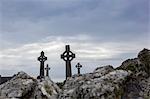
(99, 31)
(100, 18)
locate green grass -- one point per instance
(48, 89)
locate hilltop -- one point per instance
(131, 80)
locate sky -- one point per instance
(100, 32)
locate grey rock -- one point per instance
(137, 85)
(22, 86)
(131, 80)
(88, 86)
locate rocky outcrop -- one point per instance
(22, 86)
(131, 80)
(137, 85)
(144, 58)
(46, 89)
(103, 83)
(18, 86)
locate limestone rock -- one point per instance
(105, 86)
(144, 57)
(18, 86)
(22, 86)
(46, 89)
(100, 71)
(131, 80)
(138, 84)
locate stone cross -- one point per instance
(78, 66)
(68, 56)
(42, 59)
(47, 70)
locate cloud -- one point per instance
(100, 32)
(114, 20)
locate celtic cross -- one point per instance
(68, 56)
(42, 59)
(78, 66)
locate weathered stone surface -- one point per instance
(46, 89)
(22, 86)
(100, 71)
(90, 86)
(18, 86)
(137, 85)
(144, 57)
(129, 81)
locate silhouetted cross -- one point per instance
(68, 56)
(42, 59)
(47, 70)
(78, 66)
